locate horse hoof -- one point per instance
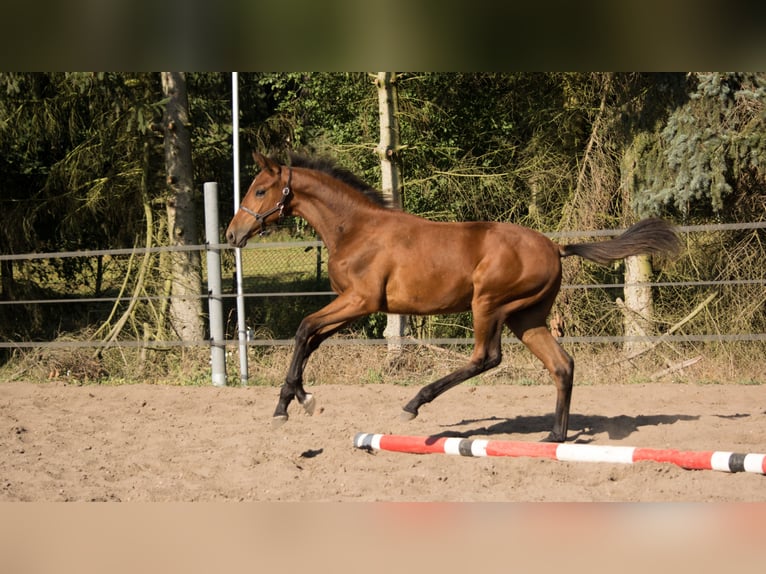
(553, 438)
(407, 416)
(309, 404)
(278, 420)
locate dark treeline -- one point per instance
(82, 164)
(530, 147)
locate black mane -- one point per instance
(326, 165)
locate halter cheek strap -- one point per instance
(279, 207)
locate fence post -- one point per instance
(215, 302)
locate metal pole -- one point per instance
(215, 301)
(241, 327)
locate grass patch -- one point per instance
(748, 382)
(353, 364)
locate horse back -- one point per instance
(416, 266)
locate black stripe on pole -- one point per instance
(464, 447)
(737, 462)
(365, 442)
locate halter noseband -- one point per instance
(279, 207)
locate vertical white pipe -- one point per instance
(215, 301)
(242, 329)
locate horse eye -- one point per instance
(260, 192)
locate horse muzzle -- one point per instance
(237, 238)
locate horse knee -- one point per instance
(563, 371)
(303, 332)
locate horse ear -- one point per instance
(265, 163)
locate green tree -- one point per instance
(710, 155)
(83, 158)
(72, 159)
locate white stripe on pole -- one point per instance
(241, 326)
(479, 447)
(754, 462)
(720, 460)
(452, 445)
(595, 453)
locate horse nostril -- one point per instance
(230, 237)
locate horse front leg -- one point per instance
(312, 331)
(292, 388)
(293, 385)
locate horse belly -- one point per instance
(428, 288)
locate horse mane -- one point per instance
(329, 167)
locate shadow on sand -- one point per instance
(582, 428)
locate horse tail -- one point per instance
(647, 237)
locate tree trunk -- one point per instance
(388, 151)
(639, 306)
(185, 266)
(638, 310)
(6, 278)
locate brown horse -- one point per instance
(386, 260)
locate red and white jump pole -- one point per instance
(691, 460)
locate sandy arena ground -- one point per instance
(61, 442)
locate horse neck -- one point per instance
(331, 207)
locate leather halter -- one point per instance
(279, 207)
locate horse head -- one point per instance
(265, 200)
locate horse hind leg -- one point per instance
(559, 364)
(433, 390)
(487, 354)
